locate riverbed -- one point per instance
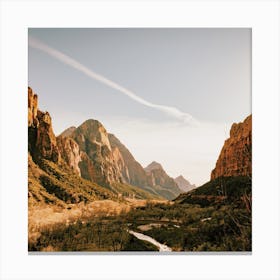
(141, 236)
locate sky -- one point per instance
(170, 95)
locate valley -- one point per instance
(86, 192)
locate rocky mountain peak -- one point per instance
(67, 132)
(93, 131)
(153, 166)
(235, 158)
(184, 184)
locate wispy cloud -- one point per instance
(171, 111)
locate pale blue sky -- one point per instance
(203, 72)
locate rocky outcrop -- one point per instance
(41, 138)
(184, 184)
(70, 153)
(32, 108)
(100, 162)
(67, 132)
(235, 158)
(153, 166)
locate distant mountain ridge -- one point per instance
(184, 184)
(153, 166)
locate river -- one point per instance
(141, 236)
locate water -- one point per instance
(141, 236)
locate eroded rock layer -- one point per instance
(235, 158)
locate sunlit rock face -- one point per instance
(235, 158)
(70, 153)
(41, 138)
(99, 161)
(32, 107)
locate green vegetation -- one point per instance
(107, 234)
(195, 228)
(134, 244)
(227, 189)
(196, 221)
(214, 217)
(56, 184)
(133, 192)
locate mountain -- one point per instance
(91, 153)
(67, 132)
(153, 166)
(161, 182)
(184, 184)
(99, 162)
(56, 164)
(230, 182)
(50, 179)
(105, 160)
(235, 158)
(135, 173)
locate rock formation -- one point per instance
(105, 160)
(236, 155)
(159, 180)
(184, 184)
(67, 132)
(41, 138)
(134, 173)
(100, 162)
(153, 166)
(70, 153)
(32, 107)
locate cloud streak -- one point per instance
(171, 111)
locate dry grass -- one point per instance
(45, 216)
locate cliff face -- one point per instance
(100, 162)
(236, 155)
(32, 107)
(133, 172)
(70, 152)
(41, 138)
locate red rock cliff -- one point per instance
(41, 138)
(32, 107)
(236, 156)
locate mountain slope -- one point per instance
(161, 182)
(105, 160)
(184, 184)
(136, 174)
(55, 164)
(231, 182)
